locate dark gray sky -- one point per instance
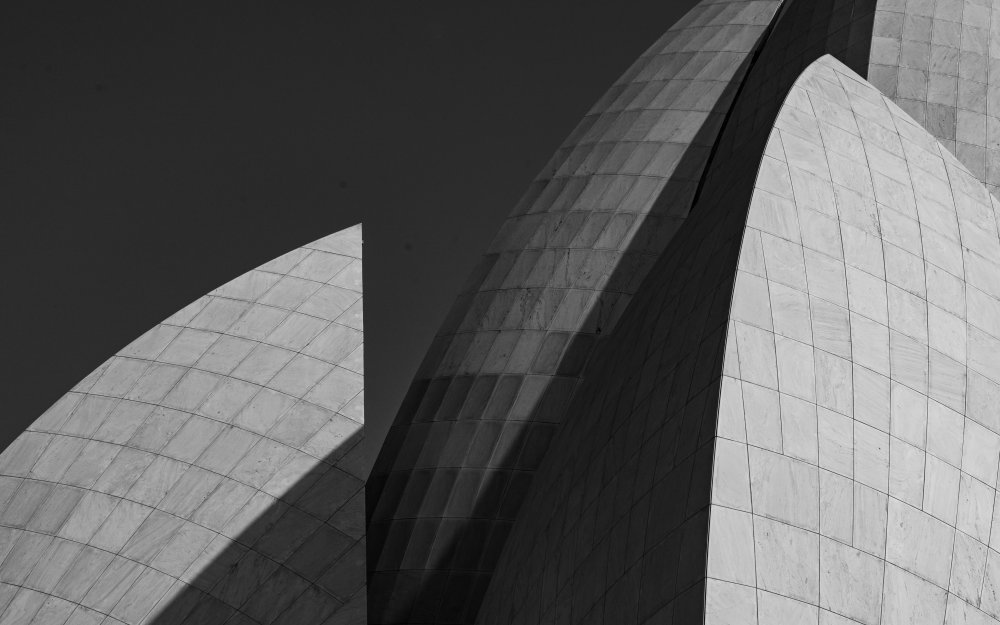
(152, 151)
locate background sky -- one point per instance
(150, 152)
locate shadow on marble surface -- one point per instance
(245, 572)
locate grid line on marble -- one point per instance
(563, 267)
(217, 458)
(937, 61)
(642, 421)
(893, 436)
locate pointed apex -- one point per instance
(347, 242)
